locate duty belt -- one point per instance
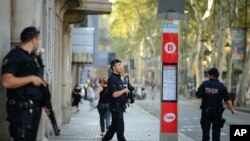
(23, 105)
(208, 108)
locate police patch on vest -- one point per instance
(211, 91)
(5, 61)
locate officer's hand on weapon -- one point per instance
(37, 81)
(47, 111)
(130, 101)
(126, 90)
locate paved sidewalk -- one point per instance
(84, 126)
(243, 109)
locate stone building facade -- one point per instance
(55, 19)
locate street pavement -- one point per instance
(189, 120)
(142, 122)
(189, 116)
(140, 125)
(84, 126)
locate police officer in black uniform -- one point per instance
(22, 77)
(213, 92)
(118, 93)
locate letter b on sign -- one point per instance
(239, 132)
(170, 47)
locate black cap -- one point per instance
(214, 72)
(29, 33)
(113, 62)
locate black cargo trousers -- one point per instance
(23, 123)
(117, 125)
(211, 117)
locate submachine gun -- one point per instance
(37, 64)
(131, 89)
(48, 105)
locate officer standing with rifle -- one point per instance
(213, 92)
(23, 84)
(118, 94)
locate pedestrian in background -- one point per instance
(22, 77)
(86, 85)
(153, 90)
(91, 96)
(213, 92)
(76, 95)
(103, 106)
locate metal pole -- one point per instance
(169, 102)
(78, 73)
(245, 49)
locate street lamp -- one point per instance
(204, 62)
(227, 48)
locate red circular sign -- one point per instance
(170, 47)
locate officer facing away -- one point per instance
(212, 93)
(22, 82)
(118, 94)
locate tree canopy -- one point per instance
(204, 33)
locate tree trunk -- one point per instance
(221, 52)
(196, 58)
(244, 82)
(229, 72)
(152, 46)
(197, 61)
(182, 67)
(223, 22)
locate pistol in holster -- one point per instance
(222, 122)
(117, 107)
(208, 109)
(18, 128)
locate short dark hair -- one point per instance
(113, 62)
(29, 33)
(214, 72)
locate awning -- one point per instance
(86, 58)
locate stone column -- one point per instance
(4, 48)
(57, 59)
(24, 13)
(66, 80)
(68, 18)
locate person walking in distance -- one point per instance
(76, 94)
(118, 94)
(103, 106)
(213, 92)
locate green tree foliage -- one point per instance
(132, 22)
(134, 25)
(215, 29)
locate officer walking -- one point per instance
(213, 92)
(22, 82)
(118, 94)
